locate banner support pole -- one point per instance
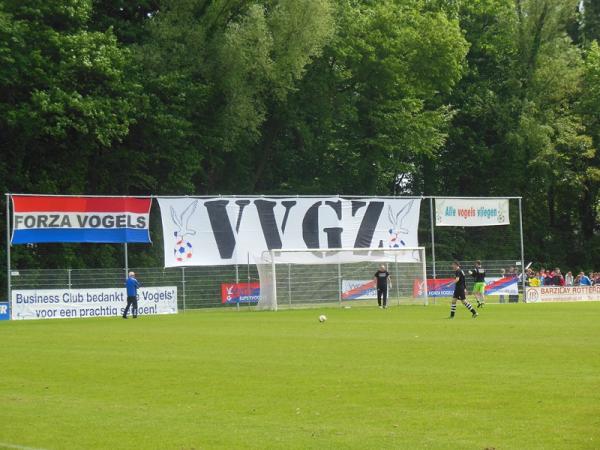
(522, 250)
(432, 237)
(126, 259)
(8, 244)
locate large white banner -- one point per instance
(461, 212)
(82, 303)
(234, 230)
(546, 294)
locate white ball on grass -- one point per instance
(322, 318)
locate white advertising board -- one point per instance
(83, 303)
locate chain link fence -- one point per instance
(201, 287)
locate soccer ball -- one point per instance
(322, 318)
(183, 250)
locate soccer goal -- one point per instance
(345, 277)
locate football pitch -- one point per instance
(518, 377)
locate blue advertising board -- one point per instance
(4, 311)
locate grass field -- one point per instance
(519, 377)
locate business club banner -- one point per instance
(460, 212)
(236, 230)
(44, 218)
(84, 303)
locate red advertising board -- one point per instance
(240, 292)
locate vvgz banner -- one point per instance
(461, 212)
(43, 218)
(223, 231)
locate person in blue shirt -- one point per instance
(584, 280)
(132, 285)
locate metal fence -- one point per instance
(197, 287)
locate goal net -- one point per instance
(345, 277)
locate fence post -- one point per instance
(126, 259)
(397, 281)
(69, 277)
(425, 291)
(183, 286)
(340, 284)
(248, 272)
(273, 271)
(290, 284)
(237, 280)
(522, 251)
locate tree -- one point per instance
(519, 124)
(64, 102)
(372, 103)
(591, 20)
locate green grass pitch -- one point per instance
(519, 377)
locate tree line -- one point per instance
(373, 97)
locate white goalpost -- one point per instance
(344, 277)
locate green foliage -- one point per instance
(590, 25)
(520, 128)
(372, 103)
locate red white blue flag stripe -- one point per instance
(359, 291)
(44, 218)
(501, 284)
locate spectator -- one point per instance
(569, 279)
(583, 280)
(534, 281)
(547, 281)
(557, 278)
(530, 276)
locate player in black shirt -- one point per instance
(381, 278)
(460, 291)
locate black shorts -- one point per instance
(459, 294)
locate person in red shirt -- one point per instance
(547, 278)
(557, 278)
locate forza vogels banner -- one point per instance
(463, 212)
(41, 218)
(236, 230)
